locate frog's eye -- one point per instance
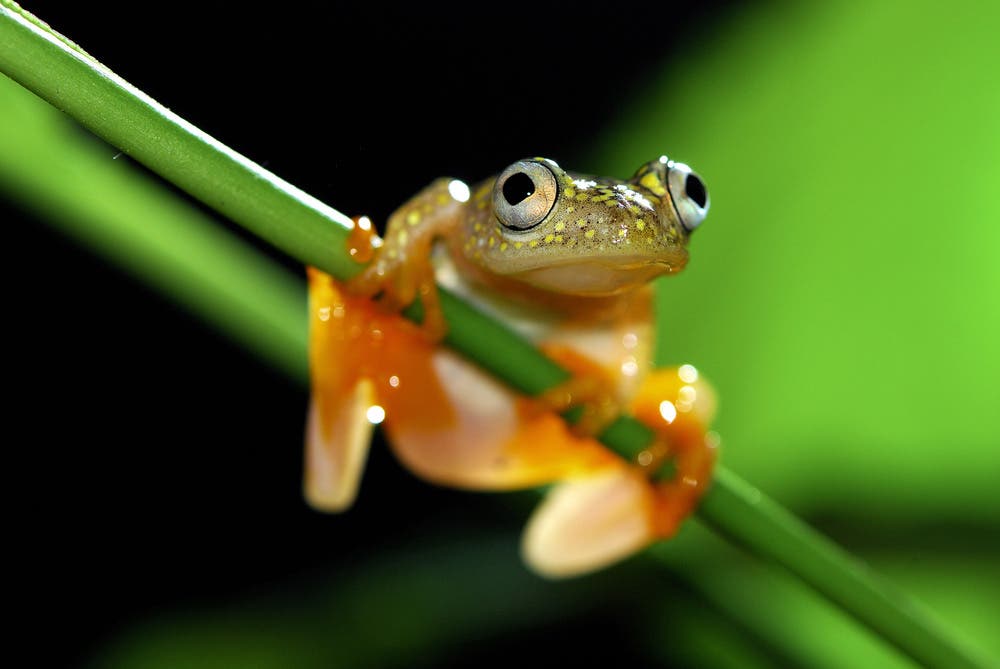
(689, 195)
(524, 194)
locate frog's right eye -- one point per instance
(524, 194)
(689, 195)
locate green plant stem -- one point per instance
(171, 245)
(313, 233)
(740, 512)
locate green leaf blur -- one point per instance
(843, 292)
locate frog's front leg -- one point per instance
(401, 269)
(592, 521)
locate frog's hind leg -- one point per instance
(338, 430)
(452, 423)
(590, 522)
(679, 406)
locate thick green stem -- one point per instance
(313, 233)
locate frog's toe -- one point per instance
(337, 438)
(589, 523)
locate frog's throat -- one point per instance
(596, 277)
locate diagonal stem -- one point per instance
(56, 70)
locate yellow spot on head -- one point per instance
(570, 192)
(640, 224)
(559, 239)
(582, 223)
(403, 237)
(503, 246)
(533, 243)
(518, 245)
(581, 197)
(493, 240)
(413, 217)
(560, 226)
(589, 234)
(478, 227)
(622, 232)
(653, 183)
(549, 237)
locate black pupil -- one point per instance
(518, 188)
(695, 190)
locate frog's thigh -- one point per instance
(588, 523)
(491, 438)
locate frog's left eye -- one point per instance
(524, 194)
(689, 195)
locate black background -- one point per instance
(161, 465)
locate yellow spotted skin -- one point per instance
(624, 231)
(598, 237)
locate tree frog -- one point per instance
(566, 259)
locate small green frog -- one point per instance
(565, 259)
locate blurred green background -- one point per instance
(843, 296)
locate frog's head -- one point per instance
(581, 235)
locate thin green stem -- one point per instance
(740, 512)
(313, 233)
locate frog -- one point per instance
(568, 261)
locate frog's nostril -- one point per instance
(695, 190)
(518, 188)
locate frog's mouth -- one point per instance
(598, 277)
